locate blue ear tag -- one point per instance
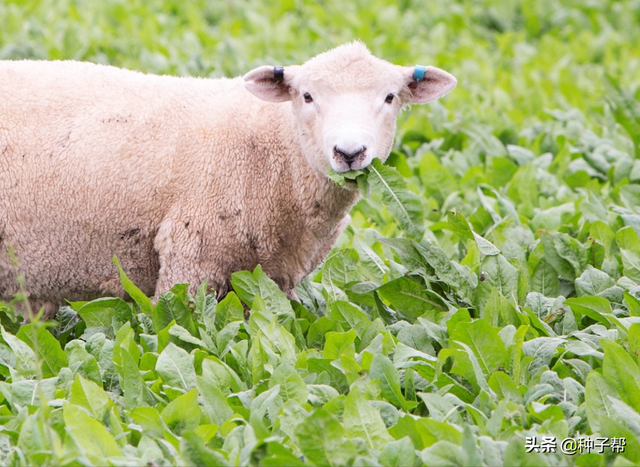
(418, 73)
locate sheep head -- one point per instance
(345, 102)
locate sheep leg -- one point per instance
(182, 260)
(292, 295)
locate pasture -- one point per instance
(501, 322)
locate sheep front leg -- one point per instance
(176, 268)
(292, 295)
(183, 259)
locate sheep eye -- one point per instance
(389, 98)
(308, 98)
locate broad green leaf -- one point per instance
(82, 362)
(485, 247)
(633, 304)
(135, 391)
(499, 311)
(41, 341)
(102, 350)
(544, 412)
(408, 254)
(504, 386)
(403, 204)
(36, 440)
(484, 341)
(339, 344)
(216, 375)
(545, 279)
(593, 281)
(416, 337)
(249, 285)
(467, 365)
(350, 317)
(87, 394)
(436, 179)
(515, 351)
(89, 435)
(229, 310)
(409, 298)
(440, 408)
(321, 440)
(292, 387)
(406, 427)
(441, 264)
(611, 428)
(106, 313)
(340, 269)
(175, 367)
(268, 404)
(363, 421)
(621, 372)
(316, 334)
(279, 455)
(398, 453)
(31, 392)
(593, 307)
(182, 413)
(194, 452)
(373, 266)
(542, 350)
(634, 340)
(134, 292)
(459, 225)
(173, 306)
(432, 431)
(150, 421)
(469, 447)
(627, 240)
(328, 374)
(181, 333)
(383, 370)
(126, 342)
(214, 402)
(567, 256)
(99, 313)
(321, 394)
(496, 271)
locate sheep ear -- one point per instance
(270, 83)
(427, 83)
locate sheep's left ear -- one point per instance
(427, 83)
(270, 83)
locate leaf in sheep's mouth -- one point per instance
(402, 203)
(340, 178)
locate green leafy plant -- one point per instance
(486, 292)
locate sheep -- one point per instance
(186, 179)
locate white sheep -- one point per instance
(186, 179)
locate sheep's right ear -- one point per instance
(270, 83)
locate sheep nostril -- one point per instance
(349, 156)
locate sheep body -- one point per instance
(171, 175)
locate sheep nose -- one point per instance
(347, 156)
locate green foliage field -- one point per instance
(505, 305)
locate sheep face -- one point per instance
(345, 103)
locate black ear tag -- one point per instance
(278, 73)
